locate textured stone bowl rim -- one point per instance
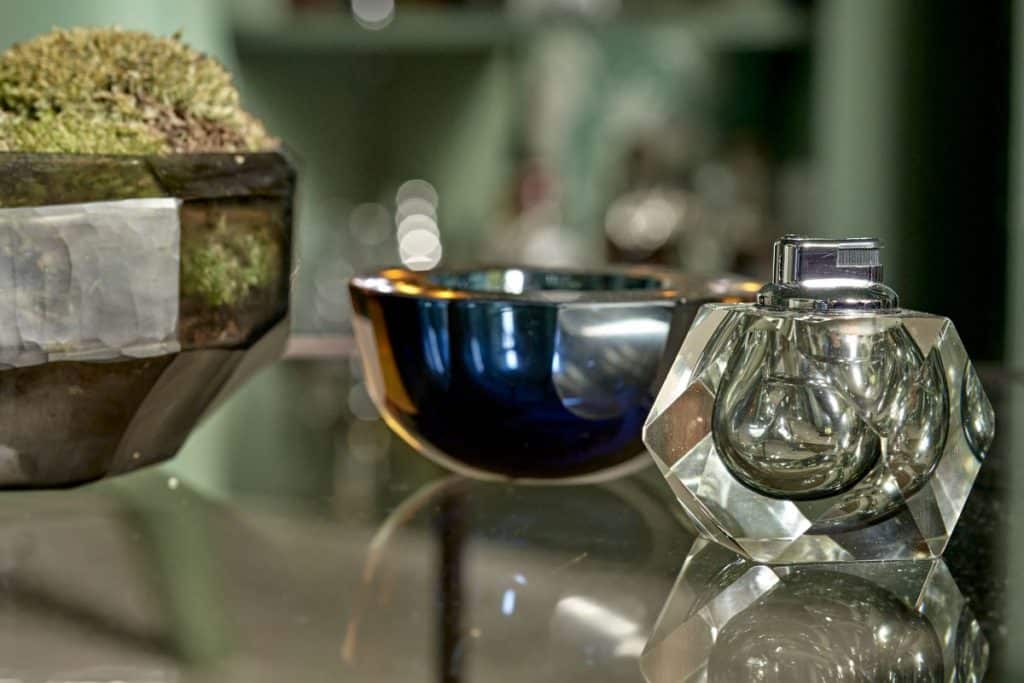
(239, 158)
(197, 160)
(280, 151)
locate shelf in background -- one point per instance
(734, 25)
(319, 346)
(410, 31)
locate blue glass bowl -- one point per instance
(518, 373)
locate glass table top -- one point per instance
(297, 539)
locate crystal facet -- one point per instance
(978, 417)
(728, 619)
(806, 436)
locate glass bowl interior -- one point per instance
(519, 280)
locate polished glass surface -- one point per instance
(518, 373)
(519, 280)
(297, 539)
(310, 544)
(803, 436)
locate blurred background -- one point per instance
(575, 132)
(689, 133)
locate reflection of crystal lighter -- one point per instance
(727, 620)
(823, 422)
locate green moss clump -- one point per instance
(225, 265)
(110, 91)
(73, 132)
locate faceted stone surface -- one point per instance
(96, 281)
(790, 436)
(72, 422)
(135, 294)
(235, 225)
(728, 619)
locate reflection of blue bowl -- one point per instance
(521, 373)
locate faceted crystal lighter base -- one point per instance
(806, 437)
(729, 620)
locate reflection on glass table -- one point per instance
(729, 619)
(144, 580)
(308, 545)
(528, 582)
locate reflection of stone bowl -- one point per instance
(521, 373)
(121, 323)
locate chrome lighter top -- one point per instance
(810, 273)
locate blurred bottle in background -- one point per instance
(529, 228)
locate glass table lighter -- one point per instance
(824, 422)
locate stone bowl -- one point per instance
(135, 293)
(526, 374)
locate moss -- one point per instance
(72, 131)
(92, 91)
(225, 265)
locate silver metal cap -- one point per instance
(809, 273)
